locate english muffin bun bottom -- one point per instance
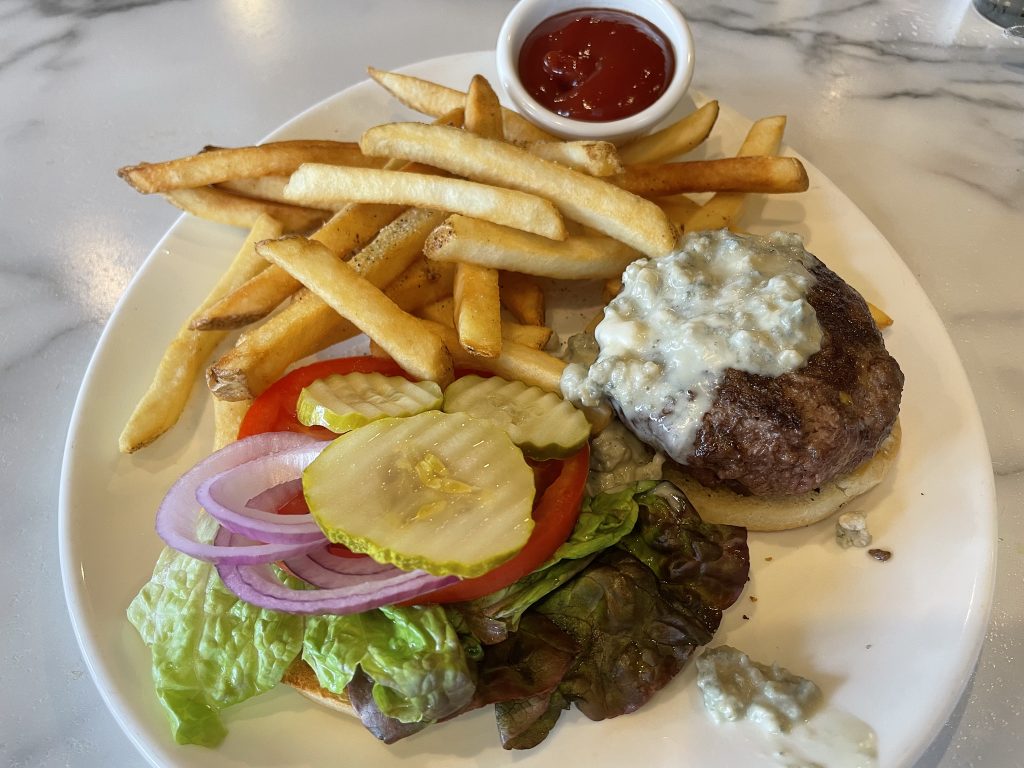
(781, 513)
(302, 678)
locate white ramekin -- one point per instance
(525, 17)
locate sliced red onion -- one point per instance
(179, 514)
(345, 564)
(322, 569)
(258, 585)
(274, 498)
(224, 497)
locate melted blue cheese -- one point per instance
(722, 300)
(618, 459)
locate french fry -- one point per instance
(396, 246)
(329, 185)
(522, 296)
(612, 287)
(453, 117)
(724, 208)
(533, 336)
(882, 320)
(516, 361)
(161, 406)
(254, 299)
(764, 137)
(483, 112)
(346, 231)
(435, 100)
(404, 337)
(595, 321)
(477, 302)
(478, 310)
(307, 326)
(354, 226)
(637, 222)
(227, 419)
(263, 353)
(376, 350)
(443, 312)
(263, 188)
(219, 165)
(461, 239)
(677, 139)
(249, 302)
(597, 158)
(774, 175)
(678, 208)
(423, 282)
(238, 211)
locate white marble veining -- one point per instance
(915, 108)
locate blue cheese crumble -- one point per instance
(852, 530)
(737, 688)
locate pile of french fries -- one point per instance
(430, 238)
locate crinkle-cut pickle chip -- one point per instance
(447, 493)
(345, 401)
(541, 423)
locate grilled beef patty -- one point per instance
(788, 434)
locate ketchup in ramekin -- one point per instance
(596, 64)
(669, 27)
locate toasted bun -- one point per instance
(302, 678)
(780, 513)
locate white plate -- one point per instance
(893, 643)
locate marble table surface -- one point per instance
(915, 108)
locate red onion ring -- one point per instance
(179, 514)
(274, 498)
(225, 494)
(326, 571)
(344, 564)
(355, 593)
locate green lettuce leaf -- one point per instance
(412, 654)
(603, 520)
(210, 650)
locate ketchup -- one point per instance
(596, 64)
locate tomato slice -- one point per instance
(560, 482)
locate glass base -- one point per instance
(1005, 13)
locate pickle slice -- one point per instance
(447, 493)
(541, 423)
(345, 401)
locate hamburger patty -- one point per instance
(788, 434)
